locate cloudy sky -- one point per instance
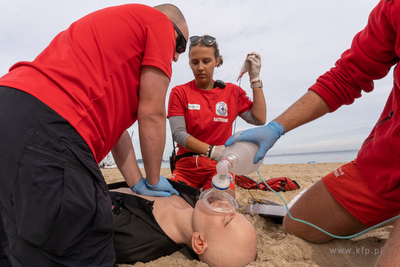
(298, 40)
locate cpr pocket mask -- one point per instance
(217, 202)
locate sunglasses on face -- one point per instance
(180, 46)
(207, 39)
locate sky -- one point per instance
(298, 41)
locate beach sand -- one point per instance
(275, 247)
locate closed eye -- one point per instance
(228, 221)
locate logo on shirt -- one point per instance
(221, 109)
(193, 106)
(216, 119)
(338, 172)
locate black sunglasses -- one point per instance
(207, 39)
(180, 45)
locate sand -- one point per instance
(275, 247)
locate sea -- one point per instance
(307, 157)
(312, 157)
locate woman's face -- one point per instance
(202, 62)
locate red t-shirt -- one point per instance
(209, 114)
(89, 74)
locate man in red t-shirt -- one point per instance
(366, 191)
(62, 113)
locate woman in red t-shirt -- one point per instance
(201, 113)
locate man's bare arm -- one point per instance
(124, 156)
(308, 108)
(152, 120)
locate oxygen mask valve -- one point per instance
(238, 159)
(223, 178)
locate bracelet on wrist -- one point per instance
(256, 84)
(209, 149)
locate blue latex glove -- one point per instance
(162, 189)
(265, 137)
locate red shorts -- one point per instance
(198, 171)
(349, 187)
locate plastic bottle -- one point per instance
(239, 159)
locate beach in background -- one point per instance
(275, 247)
(312, 157)
(307, 157)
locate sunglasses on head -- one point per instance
(180, 46)
(207, 39)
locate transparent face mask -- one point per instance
(217, 202)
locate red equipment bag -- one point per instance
(277, 184)
(245, 182)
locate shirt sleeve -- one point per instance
(178, 130)
(160, 45)
(248, 117)
(176, 103)
(370, 57)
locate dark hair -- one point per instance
(216, 50)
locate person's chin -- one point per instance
(202, 80)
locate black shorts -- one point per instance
(54, 202)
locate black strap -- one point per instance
(117, 185)
(283, 182)
(173, 159)
(189, 154)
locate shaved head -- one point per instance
(223, 240)
(237, 249)
(172, 12)
(176, 16)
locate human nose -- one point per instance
(200, 66)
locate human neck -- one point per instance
(207, 86)
(184, 229)
(174, 215)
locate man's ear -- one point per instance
(198, 244)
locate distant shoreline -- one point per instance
(289, 154)
(306, 153)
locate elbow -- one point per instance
(261, 120)
(152, 114)
(260, 116)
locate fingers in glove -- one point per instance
(255, 54)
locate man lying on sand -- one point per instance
(147, 228)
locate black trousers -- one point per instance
(54, 203)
